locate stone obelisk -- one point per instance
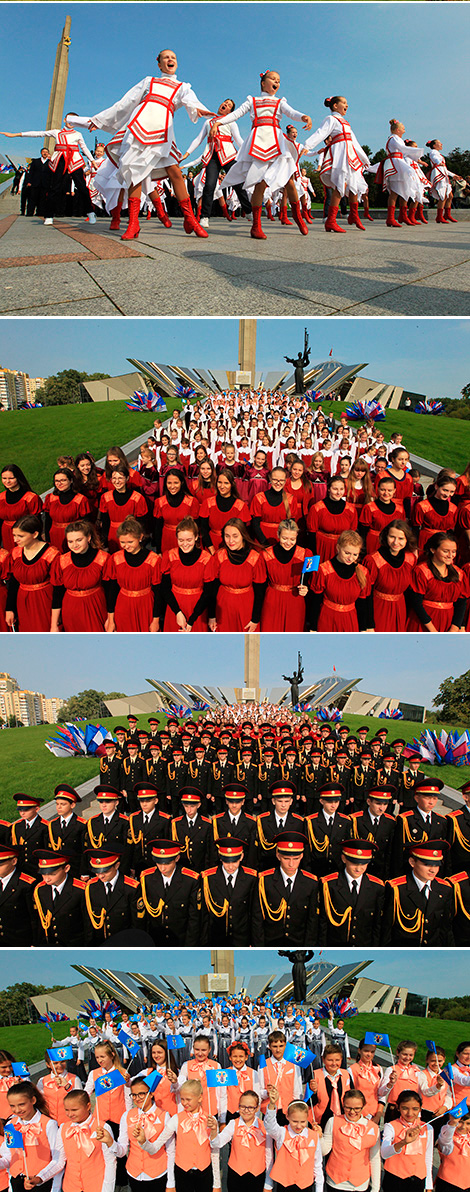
(247, 347)
(252, 644)
(59, 84)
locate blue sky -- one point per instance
(409, 668)
(420, 972)
(428, 355)
(381, 56)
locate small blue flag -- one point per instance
(20, 1069)
(175, 1041)
(446, 1074)
(430, 1044)
(459, 1110)
(221, 1078)
(311, 564)
(298, 1055)
(308, 1093)
(13, 1139)
(104, 1084)
(60, 1053)
(133, 1048)
(153, 1079)
(378, 1040)
(124, 1037)
(262, 1061)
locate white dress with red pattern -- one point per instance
(344, 160)
(399, 178)
(264, 155)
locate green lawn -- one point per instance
(35, 438)
(446, 1034)
(29, 1042)
(442, 440)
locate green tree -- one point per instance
(453, 699)
(89, 703)
(466, 392)
(66, 387)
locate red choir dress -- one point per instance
(170, 511)
(390, 578)
(23, 504)
(5, 563)
(435, 598)
(30, 589)
(462, 491)
(184, 580)
(357, 497)
(200, 492)
(258, 481)
(79, 592)
(374, 517)
(115, 507)
(214, 514)
(137, 578)
(283, 609)
(268, 510)
(432, 516)
(327, 520)
(237, 601)
(93, 496)
(339, 587)
(403, 487)
(60, 511)
(461, 529)
(135, 480)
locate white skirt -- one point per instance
(137, 161)
(345, 180)
(440, 187)
(403, 181)
(248, 170)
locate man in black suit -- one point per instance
(146, 825)
(327, 830)
(109, 828)
(235, 822)
(281, 818)
(110, 764)
(228, 890)
(66, 829)
(170, 903)
(16, 900)
(36, 184)
(424, 823)
(419, 905)
(351, 900)
(59, 901)
(286, 909)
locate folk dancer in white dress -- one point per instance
(422, 183)
(441, 189)
(264, 159)
(219, 153)
(297, 149)
(398, 176)
(148, 147)
(309, 194)
(343, 162)
(68, 158)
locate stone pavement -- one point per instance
(77, 269)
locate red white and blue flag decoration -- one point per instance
(92, 1009)
(330, 715)
(186, 391)
(313, 395)
(441, 749)
(145, 403)
(52, 1016)
(365, 409)
(200, 706)
(179, 710)
(391, 714)
(72, 741)
(342, 1007)
(302, 707)
(429, 406)
(31, 405)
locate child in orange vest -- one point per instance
(453, 1145)
(7, 1079)
(87, 1150)
(403, 1075)
(367, 1077)
(38, 1160)
(160, 1061)
(149, 1164)
(213, 1100)
(461, 1071)
(55, 1087)
(352, 1143)
(281, 1073)
(329, 1085)
(248, 1080)
(112, 1105)
(193, 1159)
(298, 1161)
(407, 1148)
(436, 1094)
(250, 1150)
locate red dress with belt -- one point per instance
(430, 522)
(389, 585)
(83, 602)
(135, 506)
(338, 611)
(375, 516)
(283, 609)
(271, 515)
(134, 608)
(63, 513)
(328, 526)
(171, 516)
(218, 518)
(187, 585)
(5, 563)
(34, 595)
(235, 596)
(439, 596)
(27, 503)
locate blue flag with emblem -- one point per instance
(105, 1084)
(262, 1061)
(60, 1053)
(298, 1055)
(152, 1080)
(175, 1041)
(311, 564)
(430, 1044)
(13, 1139)
(221, 1078)
(20, 1069)
(446, 1074)
(379, 1040)
(459, 1110)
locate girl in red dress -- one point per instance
(217, 510)
(399, 462)
(257, 475)
(17, 501)
(339, 584)
(89, 481)
(319, 478)
(175, 504)
(379, 513)
(390, 568)
(134, 576)
(185, 578)
(284, 603)
(241, 574)
(298, 484)
(329, 517)
(205, 483)
(63, 506)
(123, 501)
(271, 507)
(114, 457)
(462, 491)
(79, 597)
(436, 592)
(5, 564)
(359, 485)
(200, 454)
(29, 603)
(437, 511)
(462, 530)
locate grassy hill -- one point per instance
(29, 1042)
(446, 1033)
(25, 764)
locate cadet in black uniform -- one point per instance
(29, 832)
(281, 818)
(132, 772)
(156, 770)
(362, 778)
(292, 772)
(110, 764)
(67, 830)
(388, 773)
(109, 828)
(376, 824)
(146, 825)
(222, 774)
(170, 898)
(246, 772)
(228, 891)
(419, 905)
(340, 773)
(59, 901)
(16, 900)
(424, 823)
(234, 821)
(110, 898)
(286, 910)
(314, 776)
(411, 774)
(351, 900)
(269, 771)
(199, 771)
(120, 734)
(132, 735)
(458, 834)
(327, 830)
(460, 883)
(192, 831)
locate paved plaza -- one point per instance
(79, 269)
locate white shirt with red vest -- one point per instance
(298, 1157)
(147, 111)
(88, 1163)
(42, 1156)
(226, 142)
(264, 155)
(415, 1159)
(352, 1151)
(344, 159)
(251, 1150)
(151, 1159)
(69, 145)
(454, 1149)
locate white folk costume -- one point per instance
(264, 155)
(226, 143)
(69, 146)
(343, 160)
(440, 177)
(399, 178)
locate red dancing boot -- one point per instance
(199, 208)
(225, 210)
(404, 217)
(133, 227)
(149, 213)
(331, 223)
(440, 216)
(353, 217)
(367, 214)
(412, 216)
(400, 215)
(269, 211)
(306, 214)
(283, 216)
(190, 223)
(420, 213)
(116, 220)
(159, 208)
(448, 217)
(297, 213)
(391, 222)
(256, 230)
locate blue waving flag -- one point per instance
(60, 1053)
(430, 1044)
(459, 1110)
(132, 1048)
(152, 1080)
(446, 1074)
(311, 564)
(104, 1084)
(262, 1061)
(175, 1041)
(20, 1069)
(221, 1078)
(298, 1055)
(378, 1040)
(13, 1139)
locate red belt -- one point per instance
(34, 587)
(237, 591)
(282, 587)
(187, 591)
(85, 592)
(438, 604)
(139, 592)
(340, 608)
(388, 596)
